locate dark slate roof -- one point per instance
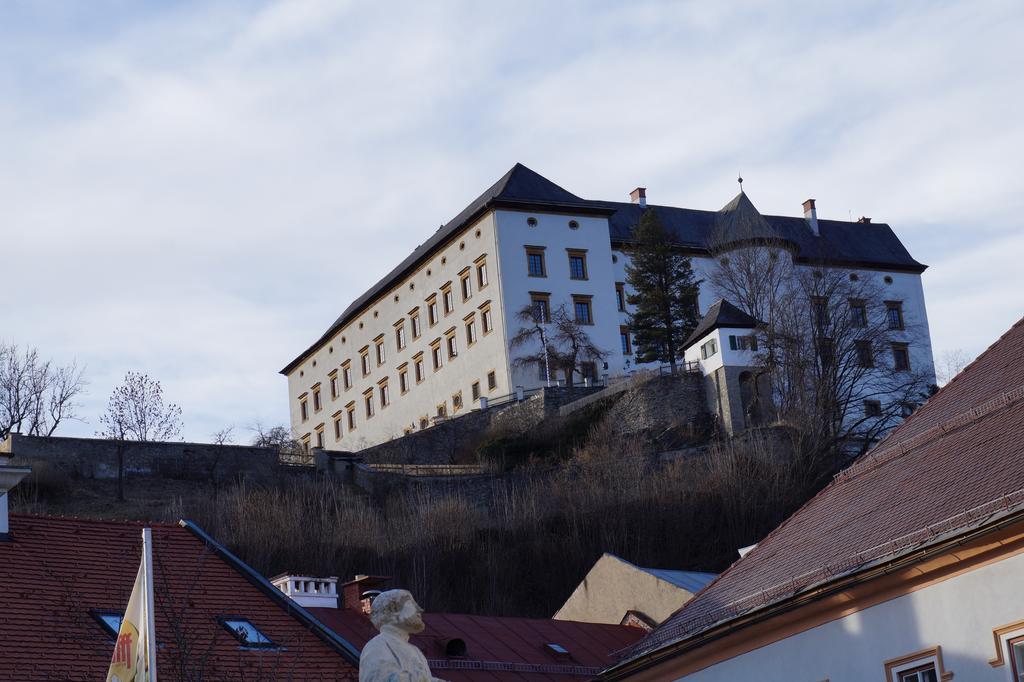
(721, 314)
(840, 242)
(519, 187)
(738, 222)
(965, 440)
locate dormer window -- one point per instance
(110, 621)
(245, 632)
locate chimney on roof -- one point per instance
(811, 216)
(639, 196)
(10, 476)
(864, 219)
(308, 591)
(358, 594)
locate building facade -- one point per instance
(432, 339)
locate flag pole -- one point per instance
(147, 557)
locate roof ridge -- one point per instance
(93, 519)
(882, 455)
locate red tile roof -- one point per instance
(53, 571)
(965, 441)
(501, 649)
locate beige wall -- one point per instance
(405, 411)
(613, 587)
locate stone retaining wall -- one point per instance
(97, 458)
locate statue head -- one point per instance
(397, 608)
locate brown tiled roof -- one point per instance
(965, 441)
(500, 648)
(54, 571)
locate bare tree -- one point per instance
(136, 412)
(574, 344)
(36, 396)
(836, 363)
(225, 436)
(276, 437)
(535, 334)
(950, 363)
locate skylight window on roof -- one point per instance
(557, 649)
(110, 621)
(245, 632)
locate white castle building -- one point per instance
(432, 338)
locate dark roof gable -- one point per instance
(721, 314)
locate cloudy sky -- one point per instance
(196, 189)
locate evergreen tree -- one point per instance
(664, 297)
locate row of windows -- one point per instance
(582, 306)
(380, 398)
(340, 380)
(536, 265)
(859, 313)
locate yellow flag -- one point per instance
(132, 660)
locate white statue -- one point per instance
(389, 657)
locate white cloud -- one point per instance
(163, 168)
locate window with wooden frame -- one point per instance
(364, 360)
(540, 306)
(819, 310)
(448, 298)
(894, 314)
(470, 323)
(466, 284)
(403, 378)
(317, 405)
(378, 344)
(858, 313)
(457, 402)
(305, 443)
(581, 306)
(708, 349)
(432, 310)
(920, 666)
(332, 379)
(492, 380)
(451, 343)
(346, 374)
(872, 408)
(1016, 649)
(350, 413)
(475, 389)
(481, 272)
(417, 367)
(577, 263)
(535, 266)
(319, 431)
(442, 410)
(486, 323)
(383, 393)
(436, 355)
(400, 335)
(368, 402)
(303, 407)
(865, 357)
(627, 346)
(424, 422)
(620, 296)
(901, 357)
(414, 322)
(742, 342)
(338, 431)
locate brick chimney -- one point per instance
(639, 196)
(811, 216)
(10, 476)
(308, 591)
(357, 594)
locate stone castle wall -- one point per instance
(97, 458)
